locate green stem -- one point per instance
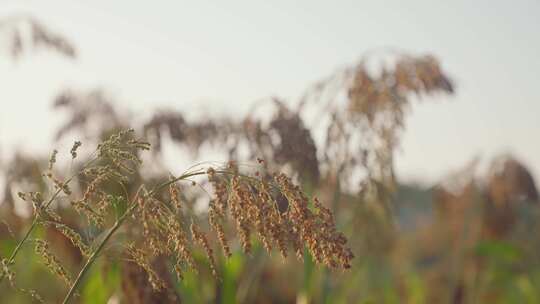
(29, 231)
(117, 225)
(95, 254)
(11, 259)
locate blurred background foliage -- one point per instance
(472, 238)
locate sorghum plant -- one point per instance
(154, 223)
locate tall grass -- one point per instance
(157, 225)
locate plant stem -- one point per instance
(29, 231)
(117, 225)
(11, 259)
(95, 254)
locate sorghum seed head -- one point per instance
(74, 148)
(52, 159)
(51, 262)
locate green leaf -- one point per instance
(498, 251)
(100, 284)
(231, 270)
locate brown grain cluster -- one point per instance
(315, 228)
(159, 225)
(74, 237)
(51, 262)
(142, 259)
(7, 272)
(370, 94)
(251, 204)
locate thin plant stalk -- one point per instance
(117, 225)
(13, 255)
(96, 253)
(11, 259)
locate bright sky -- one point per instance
(224, 55)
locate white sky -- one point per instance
(224, 55)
